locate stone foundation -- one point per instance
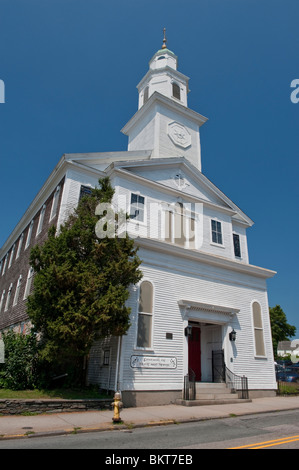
(262, 393)
(131, 398)
(16, 407)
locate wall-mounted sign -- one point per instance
(153, 362)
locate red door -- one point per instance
(194, 352)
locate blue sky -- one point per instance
(71, 67)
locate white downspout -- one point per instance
(117, 364)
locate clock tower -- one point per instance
(163, 123)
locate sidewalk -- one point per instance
(63, 423)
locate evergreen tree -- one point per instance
(81, 283)
(281, 330)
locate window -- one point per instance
(17, 293)
(20, 245)
(2, 300)
(28, 283)
(5, 263)
(137, 207)
(106, 357)
(216, 232)
(176, 91)
(55, 203)
(145, 315)
(258, 329)
(41, 220)
(85, 191)
(29, 234)
(11, 256)
(237, 247)
(180, 226)
(8, 298)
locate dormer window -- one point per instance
(176, 91)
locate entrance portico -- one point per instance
(210, 327)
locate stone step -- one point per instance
(212, 402)
(216, 396)
(211, 388)
(210, 384)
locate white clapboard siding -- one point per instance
(152, 227)
(172, 283)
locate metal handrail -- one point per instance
(189, 386)
(237, 383)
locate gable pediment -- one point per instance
(180, 176)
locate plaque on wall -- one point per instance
(179, 134)
(153, 362)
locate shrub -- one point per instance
(19, 372)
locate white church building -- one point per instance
(200, 312)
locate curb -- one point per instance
(129, 426)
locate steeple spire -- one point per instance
(164, 40)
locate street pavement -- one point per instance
(16, 426)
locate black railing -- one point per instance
(189, 386)
(237, 383)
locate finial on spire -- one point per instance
(164, 40)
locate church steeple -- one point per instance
(164, 77)
(163, 123)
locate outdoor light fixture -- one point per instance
(188, 331)
(232, 335)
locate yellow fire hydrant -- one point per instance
(117, 404)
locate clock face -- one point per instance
(179, 134)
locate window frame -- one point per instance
(29, 234)
(85, 191)
(41, 220)
(258, 328)
(17, 291)
(5, 264)
(8, 297)
(188, 224)
(21, 239)
(28, 283)
(55, 202)
(142, 222)
(234, 246)
(176, 86)
(2, 300)
(150, 314)
(216, 243)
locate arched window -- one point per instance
(176, 91)
(41, 220)
(28, 282)
(8, 298)
(2, 300)
(145, 315)
(17, 293)
(258, 329)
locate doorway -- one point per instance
(194, 352)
